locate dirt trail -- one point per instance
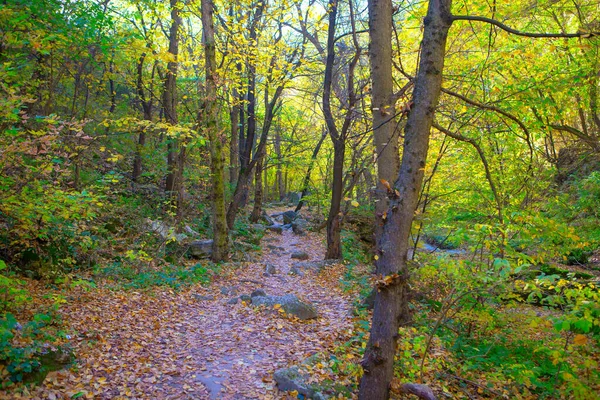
(166, 345)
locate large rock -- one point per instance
(300, 255)
(289, 217)
(264, 218)
(289, 303)
(275, 228)
(293, 198)
(315, 266)
(201, 248)
(51, 359)
(299, 226)
(292, 379)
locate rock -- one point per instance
(299, 226)
(233, 301)
(292, 379)
(275, 228)
(203, 298)
(296, 271)
(51, 359)
(289, 217)
(270, 269)
(165, 231)
(258, 227)
(293, 198)
(231, 291)
(246, 298)
(258, 293)
(266, 219)
(316, 266)
(273, 247)
(201, 248)
(190, 231)
(289, 303)
(300, 255)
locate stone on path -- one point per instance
(275, 228)
(299, 226)
(270, 269)
(316, 266)
(289, 217)
(290, 379)
(200, 297)
(201, 248)
(300, 255)
(289, 303)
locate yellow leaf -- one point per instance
(580, 340)
(376, 257)
(354, 203)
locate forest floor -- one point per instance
(194, 344)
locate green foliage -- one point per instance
(128, 276)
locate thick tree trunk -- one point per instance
(383, 104)
(170, 97)
(391, 308)
(334, 219)
(211, 118)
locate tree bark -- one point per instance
(211, 117)
(313, 158)
(391, 301)
(258, 189)
(170, 97)
(382, 103)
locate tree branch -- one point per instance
(508, 29)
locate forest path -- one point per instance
(194, 344)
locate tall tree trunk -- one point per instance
(234, 147)
(279, 160)
(170, 97)
(313, 159)
(391, 303)
(383, 104)
(211, 117)
(147, 111)
(258, 189)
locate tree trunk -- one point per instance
(334, 219)
(278, 172)
(391, 308)
(147, 110)
(313, 158)
(170, 97)
(211, 118)
(258, 189)
(234, 147)
(382, 104)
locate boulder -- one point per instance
(229, 291)
(275, 228)
(293, 198)
(292, 379)
(51, 359)
(315, 266)
(233, 301)
(299, 226)
(264, 218)
(289, 217)
(289, 303)
(296, 271)
(246, 298)
(201, 248)
(300, 255)
(258, 227)
(258, 293)
(200, 297)
(270, 269)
